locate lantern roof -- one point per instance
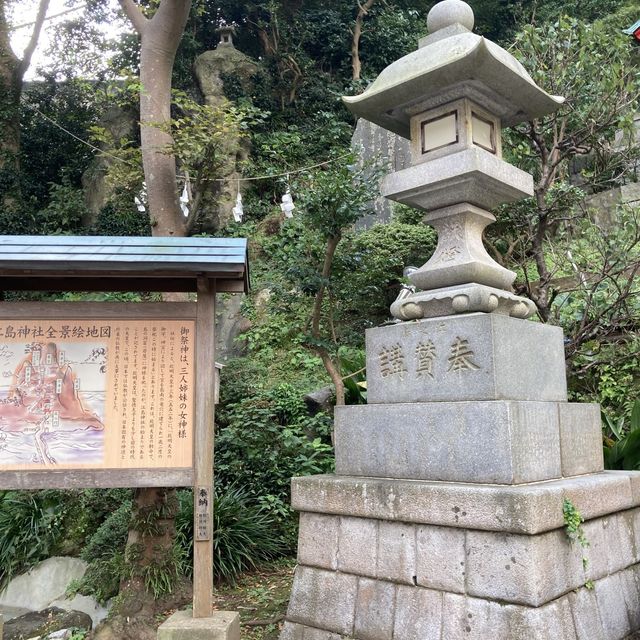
(451, 63)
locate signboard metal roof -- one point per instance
(107, 263)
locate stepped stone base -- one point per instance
(499, 441)
(383, 559)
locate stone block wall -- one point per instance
(383, 580)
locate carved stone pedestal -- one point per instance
(445, 520)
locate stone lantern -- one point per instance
(452, 97)
(446, 517)
(226, 35)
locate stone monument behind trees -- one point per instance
(210, 68)
(456, 511)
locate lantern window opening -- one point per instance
(441, 128)
(483, 133)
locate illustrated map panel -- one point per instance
(88, 394)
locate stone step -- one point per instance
(527, 509)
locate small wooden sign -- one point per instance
(203, 513)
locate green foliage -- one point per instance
(49, 155)
(244, 533)
(389, 33)
(336, 198)
(110, 536)
(370, 265)
(86, 510)
(265, 439)
(29, 530)
(573, 523)
(124, 169)
(591, 66)
(162, 575)
(600, 312)
(353, 364)
(102, 578)
(622, 440)
(202, 134)
(98, 524)
(120, 217)
(63, 214)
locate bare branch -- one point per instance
(135, 15)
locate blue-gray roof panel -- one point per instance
(136, 256)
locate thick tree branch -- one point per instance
(173, 15)
(33, 41)
(134, 13)
(356, 65)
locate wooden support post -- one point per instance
(203, 454)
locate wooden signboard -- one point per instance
(115, 394)
(103, 393)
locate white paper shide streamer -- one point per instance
(287, 205)
(184, 201)
(141, 199)
(238, 210)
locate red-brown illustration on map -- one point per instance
(53, 410)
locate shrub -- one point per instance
(111, 536)
(243, 532)
(622, 440)
(102, 578)
(264, 440)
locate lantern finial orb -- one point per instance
(450, 12)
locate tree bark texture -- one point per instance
(159, 40)
(12, 71)
(356, 64)
(329, 365)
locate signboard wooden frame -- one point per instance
(203, 265)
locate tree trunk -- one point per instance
(329, 365)
(159, 40)
(149, 544)
(356, 65)
(12, 70)
(10, 92)
(160, 37)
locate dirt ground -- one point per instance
(261, 598)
